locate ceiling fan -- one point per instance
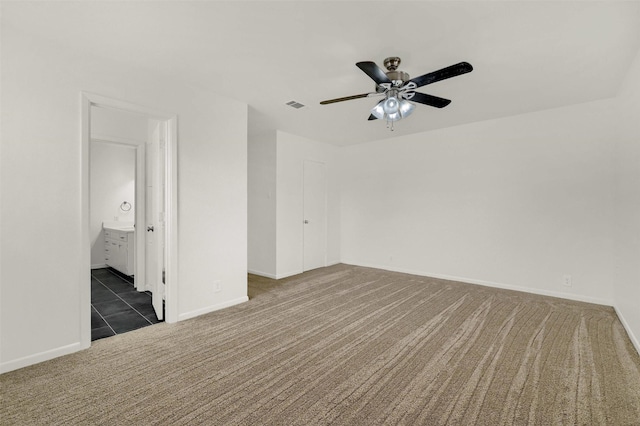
(398, 89)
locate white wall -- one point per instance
(292, 150)
(516, 202)
(118, 125)
(40, 238)
(627, 206)
(112, 180)
(212, 202)
(261, 188)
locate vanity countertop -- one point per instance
(119, 226)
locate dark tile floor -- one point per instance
(116, 306)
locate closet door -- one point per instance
(315, 215)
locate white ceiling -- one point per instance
(527, 56)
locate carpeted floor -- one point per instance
(348, 345)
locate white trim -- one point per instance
(286, 274)
(625, 324)
(568, 296)
(140, 218)
(116, 140)
(171, 221)
(208, 309)
(262, 274)
(105, 102)
(40, 357)
(289, 274)
(84, 270)
(99, 266)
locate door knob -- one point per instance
(150, 228)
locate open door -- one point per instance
(155, 208)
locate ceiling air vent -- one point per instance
(294, 104)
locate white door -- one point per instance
(315, 215)
(155, 215)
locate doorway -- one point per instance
(315, 215)
(155, 198)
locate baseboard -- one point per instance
(568, 296)
(99, 266)
(288, 274)
(208, 309)
(262, 274)
(625, 324)
(39, 357)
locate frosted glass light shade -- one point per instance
(391, 105)
(392, 110)
(406, 108)
(377, 111)
(393, 116)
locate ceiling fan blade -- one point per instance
(346, 98)
(375, 72)
(444, 73)
(430, 100)
(372, 117)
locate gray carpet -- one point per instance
(349, 346)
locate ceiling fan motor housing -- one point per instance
(392, 63)
(398, 77)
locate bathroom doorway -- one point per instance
(121, 300)
(131, 228)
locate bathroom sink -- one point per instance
(126, 229)
(119, 226)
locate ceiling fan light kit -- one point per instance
(392, 108)
(398, 89)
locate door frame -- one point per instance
(171, 206)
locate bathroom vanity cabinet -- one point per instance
(119, 249)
